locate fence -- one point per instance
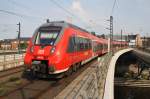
(8, 61)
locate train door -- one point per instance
(74, 54)
(103, 48)
(72, 50)
(93, 52)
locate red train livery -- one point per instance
(59, 47)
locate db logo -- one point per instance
(41, 52)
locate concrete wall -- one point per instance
(109, 85)
(90, 84)
(96, 82)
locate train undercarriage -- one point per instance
(40, 69)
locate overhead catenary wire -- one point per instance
(115, 4)
(17, 4)
(68, 12)
(23, 6)
(18, 14)
(73, 15)
(57, 4)
(113, 7)
(12, 13)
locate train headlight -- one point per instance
(52, 50)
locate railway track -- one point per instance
(132, 82)
(39, 88)
(12, 72)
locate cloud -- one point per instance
(85, 16)
(79, 11)
(76, 5)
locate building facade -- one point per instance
(13, 44)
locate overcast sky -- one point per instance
(130, 15)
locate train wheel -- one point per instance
(78, 65)
(29, 75)
(74, 67)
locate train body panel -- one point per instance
(59, 46)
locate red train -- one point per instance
(60, 47)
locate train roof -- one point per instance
(63, 24)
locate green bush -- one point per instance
(23, 45)
(3, 90)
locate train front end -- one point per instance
(42, 54)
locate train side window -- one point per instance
(86, 44)
(81, 44)
(77, 39)
(101, 46)
(71, 44)
(90, 44)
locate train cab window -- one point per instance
(47, 36)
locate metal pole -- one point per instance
(147, 41)
(111, 34)
(144, 43)
(4, 65)
(19, 37)
(121, 38)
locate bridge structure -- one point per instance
(95, 82)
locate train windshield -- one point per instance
(47, 36)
